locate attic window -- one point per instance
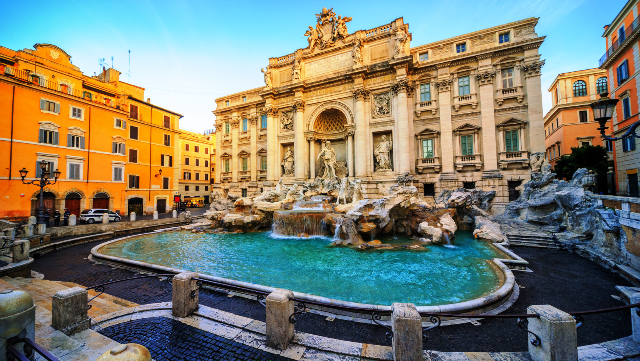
(226, 103)
(244, 99)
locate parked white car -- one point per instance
(95, 215)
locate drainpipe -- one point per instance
(13, 99)
(87, 144)
(150, 159)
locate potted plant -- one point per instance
(35, 79)
(64, 88)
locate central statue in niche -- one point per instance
(382, 153)
(329, 161)
(287, 162)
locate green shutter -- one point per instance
(507, 141)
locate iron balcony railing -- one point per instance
(621, 40)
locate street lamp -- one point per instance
(42, 182)
(603, 111)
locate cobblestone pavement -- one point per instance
(173, 340)
(559, 278)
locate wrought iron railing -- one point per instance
(29, 348)
(100, 288)
(618, 42)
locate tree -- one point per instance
(589, 156)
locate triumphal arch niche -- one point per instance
(375, 107)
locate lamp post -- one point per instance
(42, 182)
(603, 109)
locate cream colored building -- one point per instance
(195, 155)
(464, 111)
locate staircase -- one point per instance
(531, 239)
(86, 345)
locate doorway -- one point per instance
(101, 201)
(162, 205)
(72, 203)
(632, 179)
(48, 202)
(429, 190)
(514, 194)
(135, 205)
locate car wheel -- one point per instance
(117, 219)
(91, 220)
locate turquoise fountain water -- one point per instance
(438, 275)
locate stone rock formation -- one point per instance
(488, 230)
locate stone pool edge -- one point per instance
(479, 305)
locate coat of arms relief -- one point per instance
(330, 28)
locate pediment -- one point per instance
(467, 127)
(262, 152)
(428, 131)
(511, 122)
(117, 138)
(244, 154)
(225, 155)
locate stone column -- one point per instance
(402, 148)
(272, 142)
(253, 159)
(218, 150)
(406, 324)
(155, 214)
(312, 157)
(557, 332)
(534, 96)
(184, 297)
(105, 218)
(234, 149)
(516, 76)
(72, 220)
(498, 77)
(472, 83)
(69, 311)
(20, 250)
(279, 309)
(456, 90)
(489, 146)
(300, 145)
(360, 133)
(446, 128)
(350, 152)
(174, 214)
(41, 228)
(368, 155)
(132, 216)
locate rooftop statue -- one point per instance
(329, 29)
(267, 77)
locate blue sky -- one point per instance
(187, 53)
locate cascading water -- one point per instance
(446, 237)
(336, 234)
(299, 223)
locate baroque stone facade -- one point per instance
(464, 111)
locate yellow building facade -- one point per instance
(195, 165)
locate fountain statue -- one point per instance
(287, 162)
(329, 162)
(344, 188)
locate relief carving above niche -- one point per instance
(286, 120)
(381, 105)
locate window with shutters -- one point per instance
(464, 87)
(167, 140)
(507, 78)
(187, 176)
(186, 188)
(48, 137)
(579, 89)
(227, 128)
(263, 162)
(76, 113)
(197, 176)
(165, 183)
(609, 145)
(133, 156)
(167, 122)
(584, 116)
(601, 85)
(120, 123)
(50, 165)
(503, 38)
(49, 106)
(206, 176)
(186, 147)
(425, 92)
(134, 181)
(196, 149)
(118, 148)
(75, 141)
(197, 162)
(245, 125)
(626, 108)
(466, 144)
(166, 160)
(118, 174)
(206, 163)
(427, 148)
(133, 132)
(133, 111)
(628, 144)
(622, 72)
(206, 150)
(511, 140)
(206, 188)
(186, 161)
(245, 164)
(74, 171)
(263, 122)
(227, 166)
(197, 188)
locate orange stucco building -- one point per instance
(621, 62)
(113, 149)
(570, 121)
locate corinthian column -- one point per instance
(218, 165)
(312, 156)
(350, 133)
(272, 162)
(402, 148)
(446, 128)
(253, 166)
(360, 133)
(300, 145)
(489, 146)
(534, 98)
(234, 149)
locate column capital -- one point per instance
(268, 110)
(485, 77)
(532, 69)
(298, 105)
(361, 94)
(253, 119)
(444, 85)
(401, 86)
(235, 121)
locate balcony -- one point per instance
(469, 99)
(244, 175)
(509, 93)
(430, 105)
(226, 177)
(628, 33)
(424, 165)
(520, 158)
(209, 131)
(474, 160)
(262, 175)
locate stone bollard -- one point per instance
(155, 214)
(635, 319)
(557, 332)
(20, 250)
(279, 309)
(72, 220)
(10, 232)
(184, 287)
(132, 216)
(105, 218)
(69, 311)
(32, 220)
(41, 228)
(27, 230)
(175, 214)
(17, 318)
(126, 352)
(406, 324)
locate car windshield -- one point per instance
(86, 211)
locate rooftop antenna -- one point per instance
(112, 61)
(129, 71)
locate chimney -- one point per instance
(606, 27)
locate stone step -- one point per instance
(536, 240)
(529, 235)
(534, 244)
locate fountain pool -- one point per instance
(435, 276)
